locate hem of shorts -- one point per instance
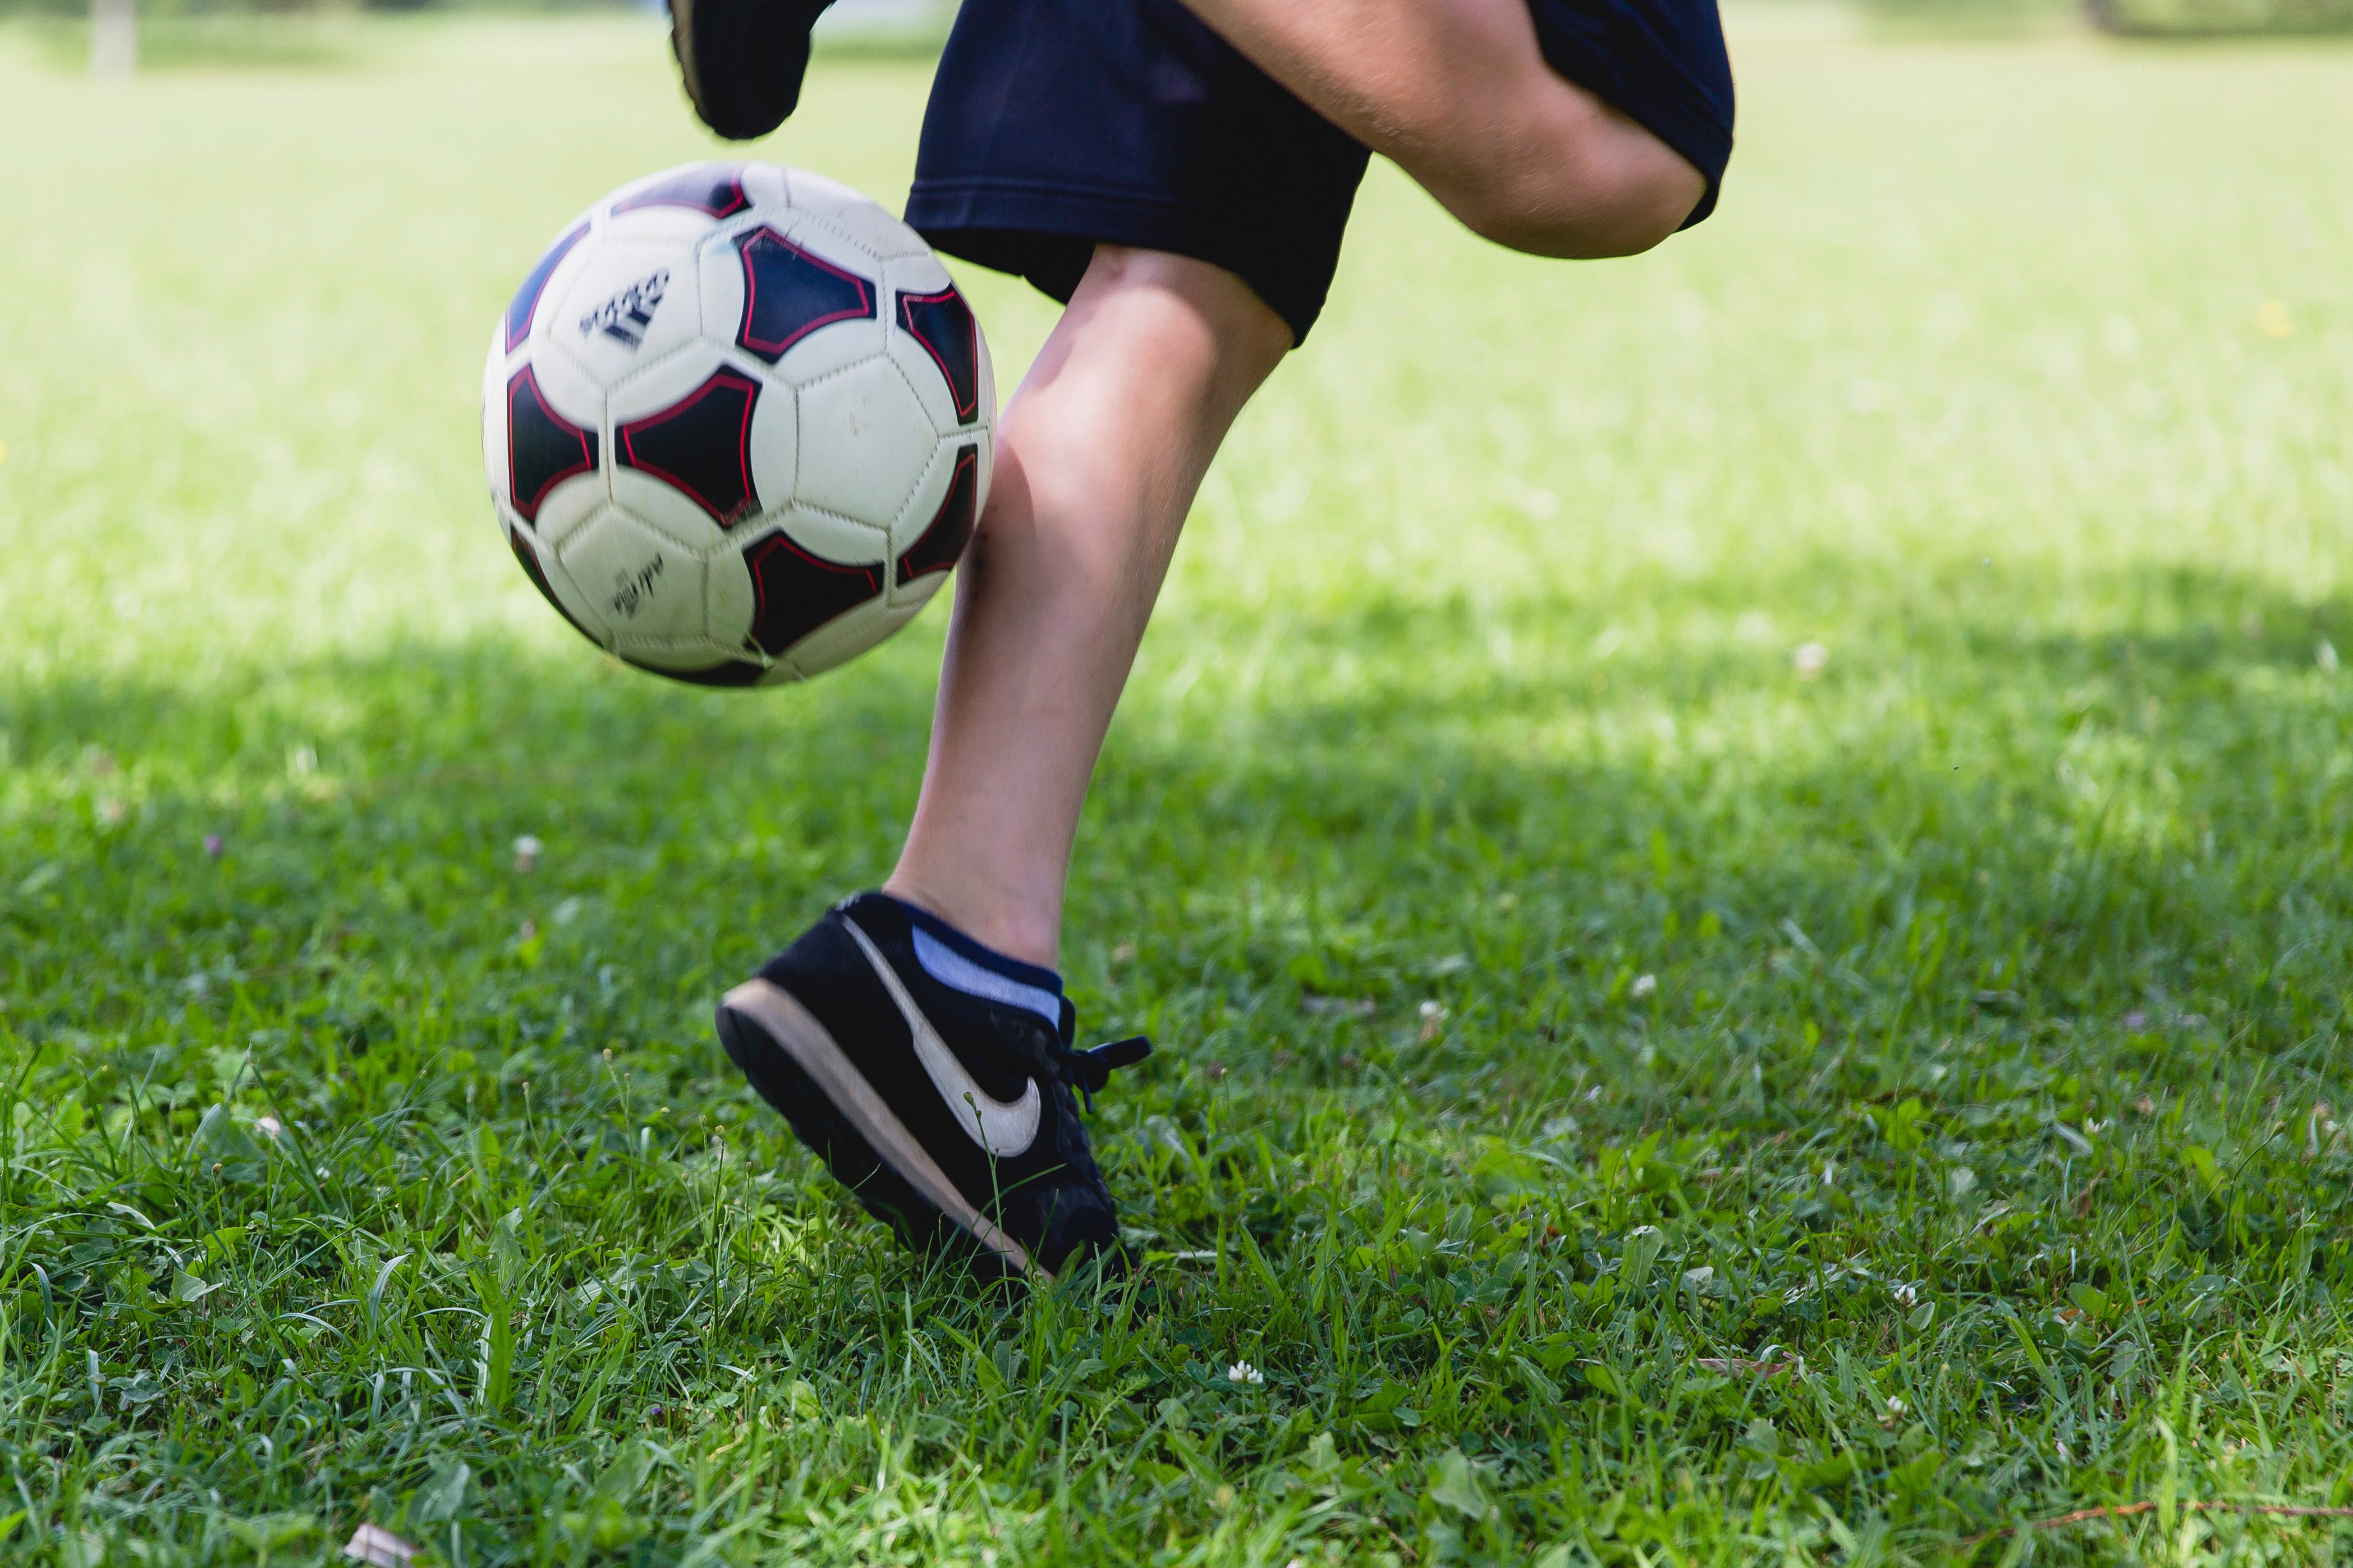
(939, 209)
(1050, 207)
(1702, 137)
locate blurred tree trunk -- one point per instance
(113, 38)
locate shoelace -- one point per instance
(1089, 1071)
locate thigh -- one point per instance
(1527, 119)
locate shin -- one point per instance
(1099, 453)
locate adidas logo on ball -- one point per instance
(627, 314)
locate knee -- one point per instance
(1603, 187)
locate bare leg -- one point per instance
(1098, 454)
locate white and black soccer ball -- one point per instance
(738, 423)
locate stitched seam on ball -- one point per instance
(817, 221)
(643, 368)
(883, 530)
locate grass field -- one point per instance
(1637, 1099)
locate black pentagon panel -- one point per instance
(734, 672)
(942, 323)
(701, 445)
(941, 545)
(715, 189)
(794, 592)
(543, 449)
(789, 293)
(521, 309)
(529, 556)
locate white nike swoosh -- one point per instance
(1002, 1128)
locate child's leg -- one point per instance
(1098, 454)
(1480, 101)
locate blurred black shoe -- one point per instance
(933, 1078)
(744, 59)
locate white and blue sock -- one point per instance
(960, 964)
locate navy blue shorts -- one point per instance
(1056, 125)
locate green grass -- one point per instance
(1965, 1020)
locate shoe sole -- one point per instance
(791, 1029)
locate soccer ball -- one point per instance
(738, 423)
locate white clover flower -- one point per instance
(1242, 1372)
(379, 1548)
(1644, 986)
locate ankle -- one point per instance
(1033, 936)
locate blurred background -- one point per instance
(115, 36)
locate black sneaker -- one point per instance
(743, 59)
(947, 1113)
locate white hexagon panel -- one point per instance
(865, 442)
(638, 584)
(738, 422)
(630, 306)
